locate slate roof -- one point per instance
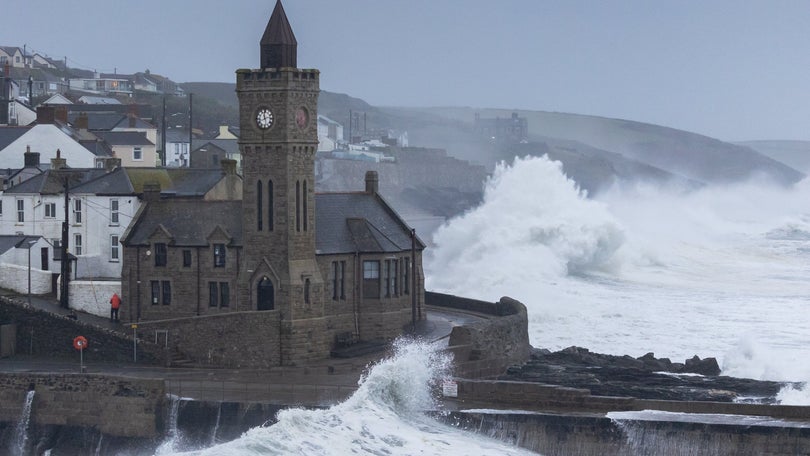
(278, 30)
(52, 182)
(10, 134)
(98, 148)
(231, 146)
(125, 138)
(188, 182)
(346, 223)
(359, 222)
(98, 121)
(8, 242)
(139, 123)
(189, 222)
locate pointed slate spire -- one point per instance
(278, 46)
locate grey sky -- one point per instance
(728, 69)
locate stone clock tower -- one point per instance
(278, 140)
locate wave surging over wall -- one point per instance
(384, 417)
(718, 271)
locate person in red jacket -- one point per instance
(115, 303)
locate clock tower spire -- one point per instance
(278, 139)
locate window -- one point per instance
(114, 212)
(137, 153)
(338, 280)
(259, 215)
(1, 208)
(224, 294)
(167, 292)
(342, 280)
(77, 211)
(155, 285)
(160, 254)
(406, 275)
(77, 244)
(298, 206)
(215, 159)
(306, 290)
(304, 214)
(219, 294)
(219, 255)
(186, 258)
(114, 247)
(269, 205)
(57, 243)
(390, 277)
(50, 210)
(371, 279)
(335, 279)
(213, 295)
(20, 211)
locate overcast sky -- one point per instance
(730, 69)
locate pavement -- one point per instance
(320, 383)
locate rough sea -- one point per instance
(721, 271)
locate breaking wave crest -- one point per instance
(385, 416)
(534, 222)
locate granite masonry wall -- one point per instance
(591, 435)
(485, 348)
(47, 335)
(117, 406)
(234, 340)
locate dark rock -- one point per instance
(645, 377)
(707, 366)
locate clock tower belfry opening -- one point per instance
(277, 109)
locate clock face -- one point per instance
(301, 117)
(264, 118)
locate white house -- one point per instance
(47, 139)
(26, 261)
(330, 134)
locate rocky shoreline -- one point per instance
(646, 377)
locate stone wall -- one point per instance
(47, 335)
(117, 406)
(485, 348)
(234, 340)
(93, 296)
(13, 277)
(590, 435)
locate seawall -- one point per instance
(592, 435)
(486, 347)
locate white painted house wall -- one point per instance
(96, 228)
(14, 268)
(46, 139)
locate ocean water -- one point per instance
(723, 271)
(385, 416)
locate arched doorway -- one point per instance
(265, 295)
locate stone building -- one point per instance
(285, 274)
(514, 129)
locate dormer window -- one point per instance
(219, 255)
(161, 254)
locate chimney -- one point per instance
(31, 158)
(228, 166)
(82, 121)
(132, 119)
(61, 114)
(58, 162)
(111, 163)
(372, 182)
(151, 192)
(45, 115)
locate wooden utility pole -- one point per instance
(65, 263)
